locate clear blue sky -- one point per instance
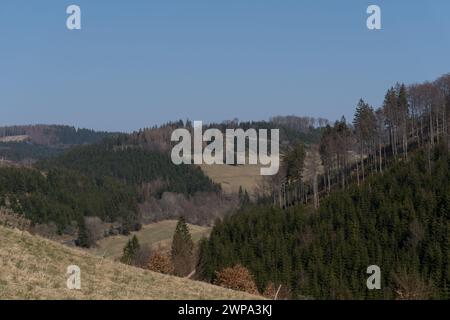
(139, 63)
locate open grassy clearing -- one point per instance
(232, 177)
(155, 235)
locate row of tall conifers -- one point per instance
(411, 116)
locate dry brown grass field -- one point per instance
(35, 268)
(156, 235)
(249, 177)
(20, 138)
(232, 177)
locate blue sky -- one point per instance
(139, 63)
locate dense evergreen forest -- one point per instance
(134, 166)
(20, 151)
(399, 220)
(64, 197)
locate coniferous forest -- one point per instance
(399, 220)
(64, 197)
(133, 166)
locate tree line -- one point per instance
(411, 117)
(54, 135)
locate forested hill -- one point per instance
(103, 180)
(398, 220)
(63, 197)
(54, 135)
(292, 130)
(35, 142)
(134, 166)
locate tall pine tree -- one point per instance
(182, 249)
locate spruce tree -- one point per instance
(130, 251)
(83, 237)
(182, 249)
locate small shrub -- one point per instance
(160, 262)
(237, 278)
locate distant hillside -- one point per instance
(36, 142)
(53, 135)
(35, 268)
(292, 130)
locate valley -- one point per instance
(377, 183)
(224, 150)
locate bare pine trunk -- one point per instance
(381, 160)
(315, 191)
(431, 130)
(362, 164)
(357, 173)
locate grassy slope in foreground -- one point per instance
(34, 268)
